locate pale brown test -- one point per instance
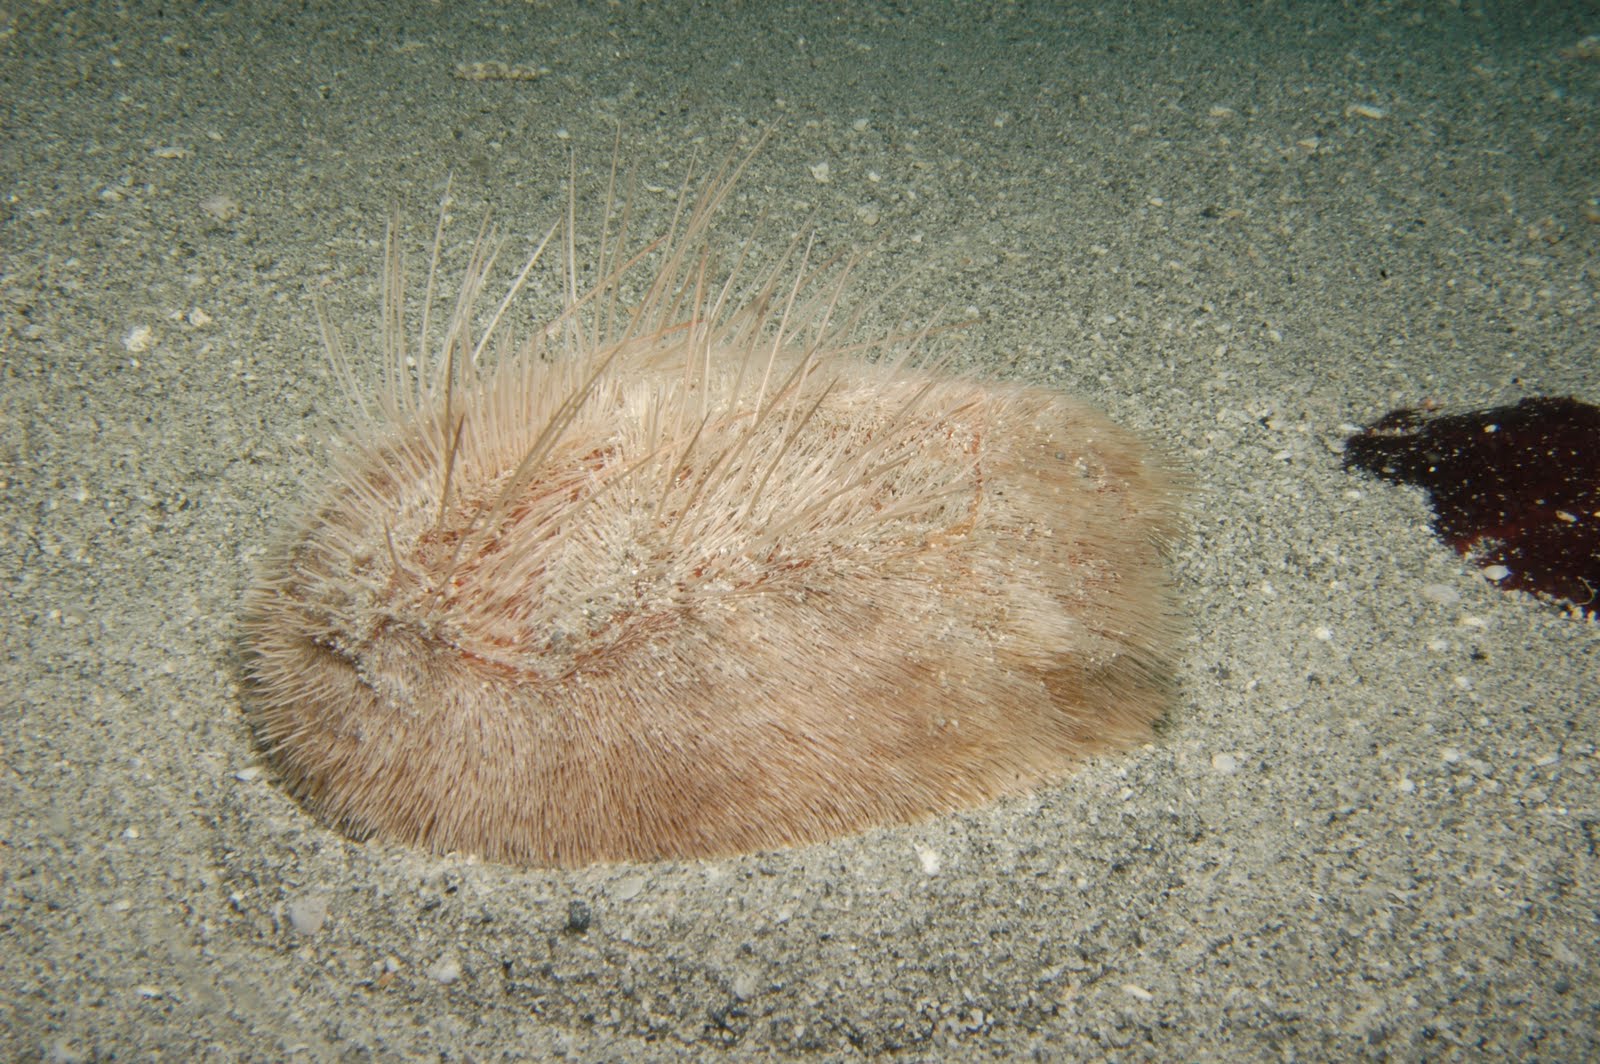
(684, 575)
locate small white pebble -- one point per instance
(821, 172)
(1443, 594)
(138, 339)
(1450, 755)
(931, 861)
(1226, 764)
(1406, 785)
(1137, 991)
(445, 970)
(860, 125)
(627, 888)
(1323, 632)
(222, 207)
(248, 775)
(1496, 572)
(307, 914)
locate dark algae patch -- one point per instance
(1516, 486)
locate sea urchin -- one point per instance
(681, 574)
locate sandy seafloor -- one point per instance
(1369, 829)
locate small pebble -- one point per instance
(138, 339)
(446, 970)
(222, 207)
(1443, 594)
(308, 913)
(627, 888)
